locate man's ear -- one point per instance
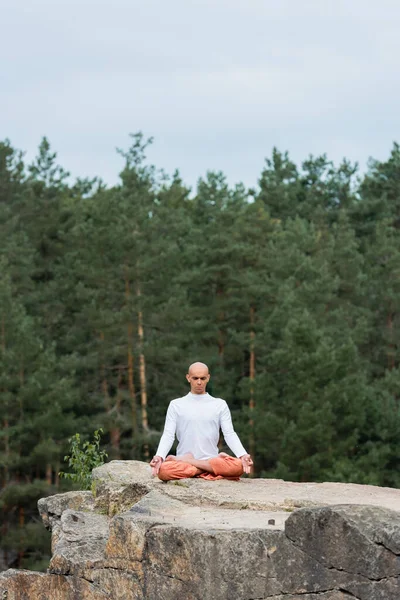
(188, 377)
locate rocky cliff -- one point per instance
(139, 538)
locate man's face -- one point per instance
(198, 377)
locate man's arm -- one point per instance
(166, 441)
(232, 439)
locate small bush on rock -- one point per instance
(84, 459)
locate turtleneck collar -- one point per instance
(198, 396)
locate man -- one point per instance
(196, 420)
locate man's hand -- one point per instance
(155, 464)
(247, 462)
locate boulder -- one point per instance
(27, 585)
(52, 507)
(362, 540)
(140, 538)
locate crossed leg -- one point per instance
(184, 466)
(175, 468)
(201, 465)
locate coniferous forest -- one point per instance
(290, 292)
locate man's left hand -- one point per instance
(247, 462)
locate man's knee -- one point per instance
(176, 469)
(227, 466)
(163, 473)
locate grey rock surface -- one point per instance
(80, 542)
(125, 482)
(27, 585)
(52, 507)
(332, 595)
(140, 538)
(361, 540)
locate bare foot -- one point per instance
(184, 457)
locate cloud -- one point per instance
(217, 83)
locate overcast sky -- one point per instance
(217, 83)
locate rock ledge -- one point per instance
(139, 538)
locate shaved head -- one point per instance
(198, 376)
(197, 365)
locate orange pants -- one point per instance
(224, 467)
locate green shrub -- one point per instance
(84, 460)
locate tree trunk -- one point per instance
(6, 475)
(221, 335)
(21, 523)
(131, 384)
(3, 334)
(115, 433)
(57, 475)
(104, 383)
(4, 531)
(114, 429)
(391, 349)
(49, 474)
(142, 374)
(142, 367)
(252, 372)
(5, 417)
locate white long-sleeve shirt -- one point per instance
(196, 420)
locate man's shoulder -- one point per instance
(179, 400)
(220, 401)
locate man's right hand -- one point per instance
(247, 463)
(155, 464)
